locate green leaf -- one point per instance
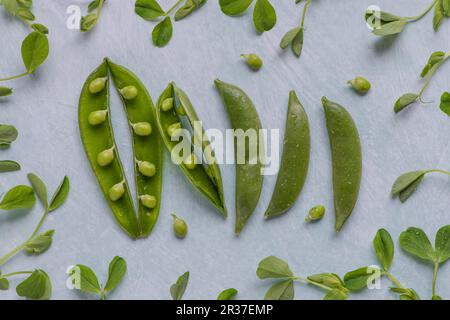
(289, 37)
(35, 50)
(25, 14)
(162, 33)
(273, 267)
(117, 269)
(438, 15)
(88, 22)
(187, 8)
(8, 134)
(39, 188)
(8, 166)
(435, 58)
(264, 16)
(415, 242)
(330, 280)
(436, 297)
(297, 43)
(84, 279)
(404, 101)
(5, 91)
(446, 7)
(228, 294)
(405, 180)
(442, 244)
(375, 18)
(384, 248)
(234, 7)
(148, 9)
(406, 293)
(445, 103)
(358, 279)
(4, 283)
(40, 243)
(39, 28)
(93, 5)
(19, 197)
(60, 195)
(336, 294)
(178, 288)
(37, 286)
(391, 28)
(282, 290)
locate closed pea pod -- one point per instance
(249, 177)
(206, 178)
(347, 160)
(294, 161)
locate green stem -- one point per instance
(430, 75)
(420, 16)
(305, 9)
(102, 295)
(15, 77)
(436, 268)
(16, 273)
(394, 280)
(173, 7)
(312, 283)
(438, 171)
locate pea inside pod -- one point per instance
(205, 177)
(346, 157)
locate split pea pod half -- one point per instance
(98, 140)
(249, 176)
(294, 161)
(346, 157)
(175, 112)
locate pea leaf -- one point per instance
(5, 91)
(88, 21)
(149, 10)
(228, 294)
(406, 293)
(375, 18)
(117, 269)
(445, 103)
(264, 16)
(273, 267)
(39, 188)
(93, 5)
(8, 134)
(37, 286)
(404, 101)
(4, 284)
(84, 279)
(187, 8)
(162, 33)
(282, 290)
(39, 28)
(435, 58)
(289, 37)
(358, 279)
(391, 28)
(25, 14)
(330, 280)
(19, 197)
(384, 248)
(442, 244)
(8, 166)
(40, 243)
(297, 43)
(60, 195)
(234, 7)
(446, 7)
(178, 288)
(35, 50)
(438, 15)
(336, 294)
(415, 242)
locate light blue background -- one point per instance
(207, 45)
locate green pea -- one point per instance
(253, 61)
(97, 117)
(148, 201)
(360, 84)
(190, 162)
(129, 92)
(146, 168)
(181, 111)
(167, 104)
(105, 157)
(180, 227)
(315, 213)
(97, 85)
(172, 130)
(142, 129)
(117, 191)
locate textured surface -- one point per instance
(207, 45)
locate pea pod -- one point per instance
(172, 107)
(346, 157)
(249, 177)
(294, 160)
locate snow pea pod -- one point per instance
(147, 146)
(249, 177)
(173, 107)
(346, 157)
(294, 160)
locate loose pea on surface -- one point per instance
(97, 85)
(360, 84)
(97, 117)
(117, 191)
(167, 104)
(129, 92)
(180, 227)
(146, 168)
(142, 129)
(172, 130)
(148, 201)
(315, 213)
(105, 157)
(189, 162)
(253, 61)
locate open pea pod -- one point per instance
(147, 146)
(174, 112)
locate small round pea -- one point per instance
(167, 104)
(148, 201)
(181, 111)
(105, 157)
(146, 168)
(142, 128)
(129, 92)
(180, 227)
(315, 213)
(97, 117)
(253, 61)
(172, 130)
(97, 85)
(117, 191)
(360, 84)
(189, 162)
